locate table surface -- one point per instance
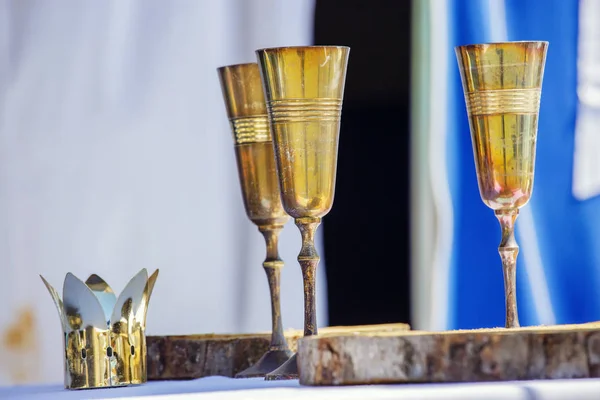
(255, 389)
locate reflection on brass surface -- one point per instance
(251, 129)
(258, 179)
(304, 88)
(502, 85)
(105, 341)
(503, 101)
(245, 104)
(300, 110)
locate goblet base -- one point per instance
(288, 370)
(270, 361)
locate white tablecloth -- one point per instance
(255, 389)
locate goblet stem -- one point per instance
(509, 249)
(309, 259)
(273, 265)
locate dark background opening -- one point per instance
(367, 233)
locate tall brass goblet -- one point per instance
(502, 84)
(244, 100)
(304, 87)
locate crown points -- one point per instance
(134, 291)
(103, 293)
(81, 306)
(142, 310)
(57, 302)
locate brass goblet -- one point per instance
(502, 84)
(304, 87)
(244, 100)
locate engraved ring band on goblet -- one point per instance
(245, 104)
(502, 85)
(304, 88)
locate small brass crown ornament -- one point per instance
(104, 336)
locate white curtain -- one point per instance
(115, 154)
(586, 166)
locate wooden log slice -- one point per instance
(196, 356)
(552, 352)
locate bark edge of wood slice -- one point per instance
(174, 357)
(542, 352)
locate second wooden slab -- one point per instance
(554, 352)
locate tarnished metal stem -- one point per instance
(273, 265)
(509, 249)
(309, 259)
